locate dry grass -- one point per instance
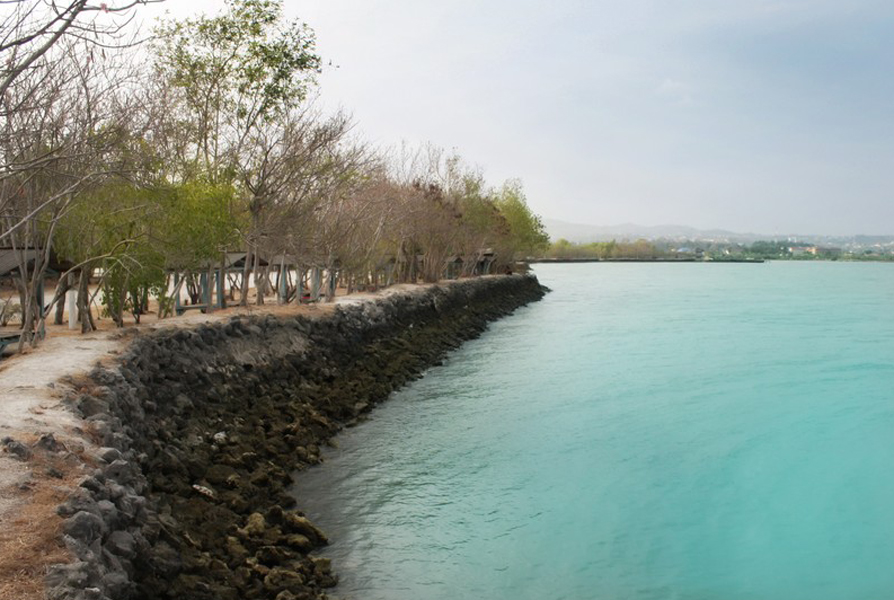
(30, 537)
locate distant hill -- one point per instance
(583, 234)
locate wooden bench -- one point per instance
(9, 338)
(185, 307)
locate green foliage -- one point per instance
(640, 249)
(130, 276)
(136, 235)
(527, 234)
(111, 230)
(248, 53)
(241, 68)
(195, 223)
(105, 218)
(184, 225)
(768, 249)
(480, 217)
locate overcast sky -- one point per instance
(749, 115)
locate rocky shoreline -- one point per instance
(201, 428)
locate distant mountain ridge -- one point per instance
(582, 233)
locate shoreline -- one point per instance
(644, 260)
(196, 431)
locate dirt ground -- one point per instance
(31, 392)
(30, 405)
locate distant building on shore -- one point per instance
(814, 250)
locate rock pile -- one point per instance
(201, 430)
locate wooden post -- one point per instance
(206, 290)
(177, 310)
(316, 277)
(71, 297)
(283, 284)
(219, 281)
(39, 296)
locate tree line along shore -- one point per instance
(661, 250)
(193, 161)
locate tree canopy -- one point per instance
(136, 171)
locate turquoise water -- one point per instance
(684, 431)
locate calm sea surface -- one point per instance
(682, 431)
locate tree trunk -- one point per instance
(234, 283)
(330, 283)
(222, 277)
(209, 290)
(27, 312)
(260, 280)
(116, 309)
(83, 301)
(246, 273)
(65, 284)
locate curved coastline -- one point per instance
(201, 428)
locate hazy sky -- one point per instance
(750, 115)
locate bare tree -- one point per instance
(288, 170)
(349, 217)
(66, 134)
(29, 29)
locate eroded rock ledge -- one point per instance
(201, 429)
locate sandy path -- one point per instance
(30, 396)
(31, 400)
(31, 405)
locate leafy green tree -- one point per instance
(241, 76)
(107, 231)
(130, 276)
(195, 222)
(527, 234)
(769, 249)
(236, 72)
(481, 224)
(136, 236)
